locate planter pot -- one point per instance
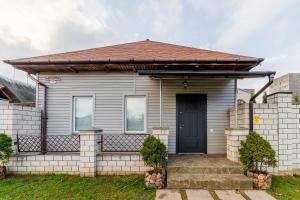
(2, 172)
(261, 180)
(155, 179)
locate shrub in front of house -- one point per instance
(5, 153)
(256, 155)
(154, 154)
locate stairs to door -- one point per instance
(205, 172)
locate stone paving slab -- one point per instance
(198, 195)
(258, 195)
(167, 194)
(229, 195)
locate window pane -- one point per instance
(135, 113)
(83, 113)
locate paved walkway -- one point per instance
(195, 194)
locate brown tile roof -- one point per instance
(136, 51)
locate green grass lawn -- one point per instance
(285, 188)
(74, 187)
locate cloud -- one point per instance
(37, 22)
(164, 17)
(10, 51)
(265, 28)
(282, 64)
(249, 17)
(212, 10)
(288, 62)
(67, 37)
(37, 27)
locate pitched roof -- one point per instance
(142, 55)
(139, 51)
(16, 92)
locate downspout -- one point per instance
(36, 92)
(160, 103)
(44, 115)
(271, 79)
(235, 103)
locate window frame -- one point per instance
(74, 110)
(125, 114)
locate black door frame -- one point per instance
(205, 118)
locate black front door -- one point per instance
(191, 123)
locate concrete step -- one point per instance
(208, 181)
(235, 169)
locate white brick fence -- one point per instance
(89, 161)
(279, 123)
(17, 119)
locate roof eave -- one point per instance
(208, 73)
(255, 61)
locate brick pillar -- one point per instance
(234, 138)
(287, 130)
(162, 134)
(89, 149)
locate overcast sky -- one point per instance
(262, 28)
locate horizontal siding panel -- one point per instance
(109, 88)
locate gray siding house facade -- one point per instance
(109, 90)
(134, 87)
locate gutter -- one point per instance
(271, 79)
(44, 116)
(207, 73)
(255, 61)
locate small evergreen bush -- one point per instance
(154, 153)
(255, 151)
(5, 148)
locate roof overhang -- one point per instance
(134, 61)
(207, 73)
(133, 65)
(9, 95)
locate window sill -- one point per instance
(136, 133)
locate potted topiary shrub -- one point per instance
(154, 154)
(256, 154)
(5, 153)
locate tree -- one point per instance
(265, 98)
(154, 153)
(255, 151)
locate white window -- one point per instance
(82, 113)
(135, 114)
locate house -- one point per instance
(16, 92)
(113, 96)
(290, 81)
(244, 95)
(133, 87)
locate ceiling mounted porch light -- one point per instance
(185, 84)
